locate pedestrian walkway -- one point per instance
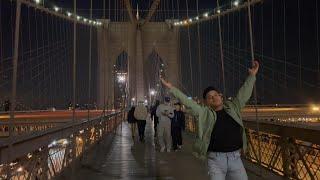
(122, 158)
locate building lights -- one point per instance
(56, 9)
(315, 108)
(236, 3)
(37, 1)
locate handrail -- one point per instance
(288, 150)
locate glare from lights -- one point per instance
(236, 3)
(133, 99)
(315, 108)
(78, 17)
(69, 14)
(53, 143)
(65, 142)
(85, 20)
(190, 20)
(90, 21)
(20, 169)
(37, 1)
(185, 22)
(206, 14)
(197, 18)
(218, 11)
(121, 78)
(152, 92)
(56, 9)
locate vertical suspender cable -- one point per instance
(255, 89)
(74, 61)
(239, 46)
(179, 49)
(1, 54)
(89, 71)
(285, 42)
(233, 55)
(199, 51)
(15, 67)
(318, 48)
(221, 55)
(73, 155)
(299, 47)
(103, 59)
(262, 49)
(14, 78)
(37, 48)
(190, 58)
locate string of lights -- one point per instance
(62, 13)
(220, 11)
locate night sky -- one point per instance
(45, 67)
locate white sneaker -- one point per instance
(162, 149)
(179, 147)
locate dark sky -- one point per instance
(271, 36)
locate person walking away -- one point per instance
(132, 121)
(165, 112)
(177, 125)
(141, 113)
(155, 118)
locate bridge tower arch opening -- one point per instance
(121, 80)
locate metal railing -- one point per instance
(45, 154)
(289, 151)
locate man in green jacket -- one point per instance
(221, 134)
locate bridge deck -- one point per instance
(121, 158)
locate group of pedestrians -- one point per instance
(221, 133)
(168, 119)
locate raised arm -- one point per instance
(245, 91)
(196, 108)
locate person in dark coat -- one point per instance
(177, 125)
(132, 121)
(154, 117)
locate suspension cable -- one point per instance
(254, 88)
(74, 62)
(318, 48)
(285, 41)
(90, 59)
(221, 55)
(199, 51)
(190, 57)
(299, 46)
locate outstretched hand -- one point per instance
(254, 69)
(166, 83)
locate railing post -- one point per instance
(289, 157)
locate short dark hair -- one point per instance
(177, 103)
(207, 90)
